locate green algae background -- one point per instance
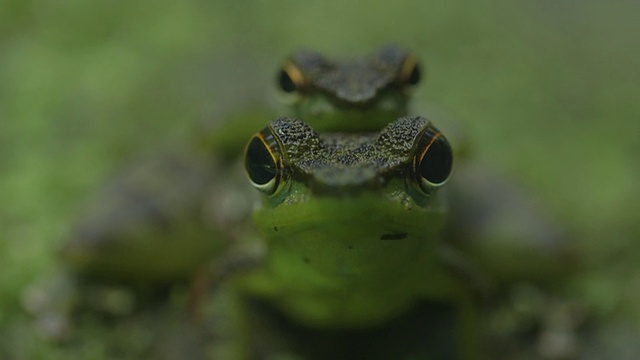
(549, 92)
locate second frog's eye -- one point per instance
(410, 73)
(433, 160)
(290, 79)
(262, 162)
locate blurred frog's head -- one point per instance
(351, 95)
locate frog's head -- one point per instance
(336, 195)
(371, 88)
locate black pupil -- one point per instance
(259, 163)
(435, 165)
(414, 77)
(286, 83)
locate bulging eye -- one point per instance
(411, 74)
(290, 79)
(433, 160)
(262, 162)
(415, 75)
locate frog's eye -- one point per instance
(410, 73)
(290, 79)
(433, 160)
(262, 162)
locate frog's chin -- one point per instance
(351, 261)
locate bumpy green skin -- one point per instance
(352, 239)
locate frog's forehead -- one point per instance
(344, 160)
(356, 81)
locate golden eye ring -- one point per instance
(410, 73)
(433, 162)
(263, 162)
(290, 79)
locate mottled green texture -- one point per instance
(343, 163)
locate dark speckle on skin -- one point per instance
(398, 236)
(306, 260)
(275, 228)
(350, 247)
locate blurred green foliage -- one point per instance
(548, 91)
